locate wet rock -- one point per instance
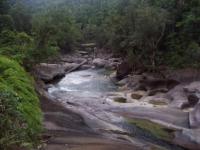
(120, 99)
(185, 96)
(72, 59)
(193, 87)
(98, 62)
(116, 60)
(154, 83)
(188, 138)
(184, 75)
(194, 117)
(192, 100)
(123, 70)
(134, 82)
(138, 94)
(84, 67)
(48, 72)
(123, 82)
(178, 97)
(193, 92)
(156, 130)
(156, 100)
(68, 66)
(83, 52)
(155, 91)
(112, 63)
(112, 77)
(165, 115)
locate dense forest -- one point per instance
(147, 33)
(154, 32)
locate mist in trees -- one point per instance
(149, 32)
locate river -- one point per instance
(86, 92)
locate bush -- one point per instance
(15, 45)
(183, 55)
(20, 114)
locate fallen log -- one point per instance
(76, 67)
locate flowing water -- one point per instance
(85, 92)
(86, 83)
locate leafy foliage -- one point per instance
(15, 44)
(19, 107)
(149, 33)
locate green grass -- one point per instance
(20, 113)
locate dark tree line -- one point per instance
(148, 32)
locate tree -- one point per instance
(150, 25)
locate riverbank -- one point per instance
(168, 106)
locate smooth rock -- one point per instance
(83, 52)
(178, 97)
(194, 117)
(134, 82)
(48, 72)
(84, 67)
(155, 91)
(193, 87)
(138, 94)
(68, 66)
(193, 92)
(188, 138)
(123, 70)
(184, 75)
(166, 115)
(154, 83)
(98, 62)
(123, 82)
(72, 59)
(156, 100)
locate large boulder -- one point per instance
(138, 94)
(157, 100)
(183, 75)
(68, 66)
(113, 63)
(72, 59)
(156, 83)
(48, 72)
(194, 117)
(193, 92)
(123, 70)
(169, 116)
(100, 63)
(188, 138)
(178, 97)
(185, 96)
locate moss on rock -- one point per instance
(157, 102)
(120, 99)
(155, 129)
(20, 113)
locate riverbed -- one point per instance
(87, 92)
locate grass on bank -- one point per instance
(20, 114)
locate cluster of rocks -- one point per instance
(168, 101)
(80, 60)
(111, 63)
(156, 98)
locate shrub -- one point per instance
(15, 44)
(20, 114)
